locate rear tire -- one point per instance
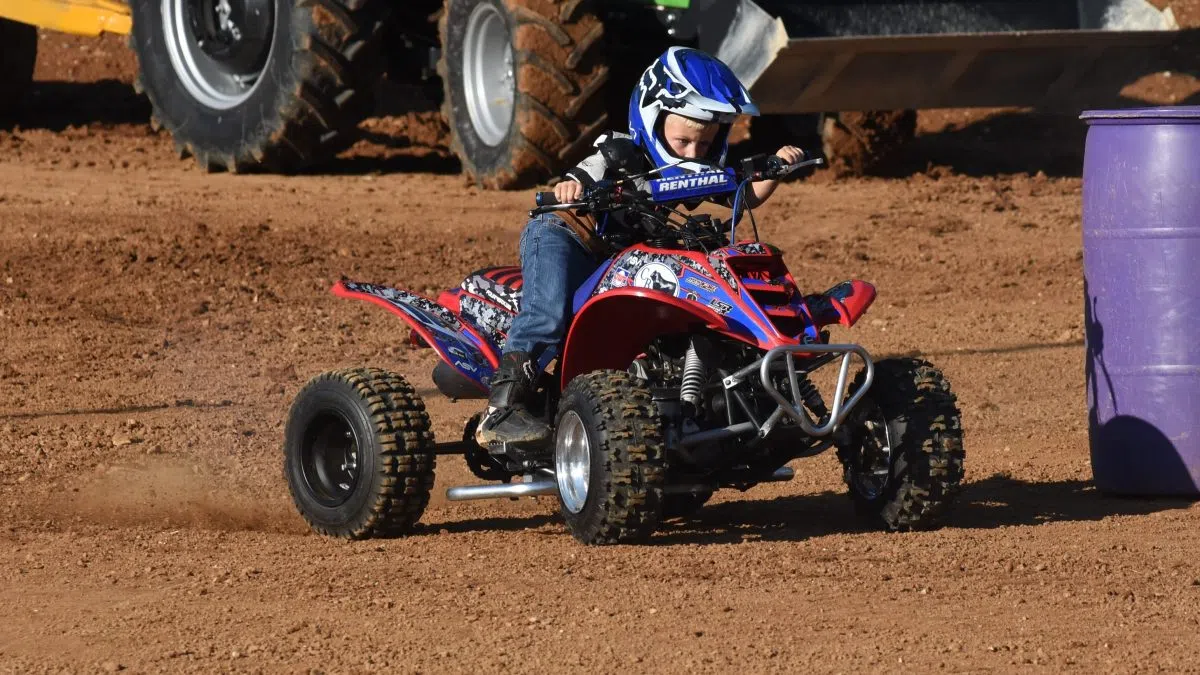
(18, 56)
(609, 459)
(516, 132)
(287, 93)
(358, 454)
(903, 461)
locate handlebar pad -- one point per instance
(546, 199)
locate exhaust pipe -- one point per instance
(540, 488)
(535, 488)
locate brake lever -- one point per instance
(792, 168)
(773, 173)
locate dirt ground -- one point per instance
(156, 322)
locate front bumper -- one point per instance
(783, 359)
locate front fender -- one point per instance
(613, 328)
(843, 304)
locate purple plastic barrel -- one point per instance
(1141, 266)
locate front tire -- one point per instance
(358, 454)
(524, 86)
(609, 459)
(273, 85)
(903, 458)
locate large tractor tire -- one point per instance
(609, 459)
(523, 83)
(903, 457)
(358, 454)
(18, 54)
(275, 85)
(858, 143)
(852, 143)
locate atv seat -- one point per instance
(500, 285)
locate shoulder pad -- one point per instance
(610, 134)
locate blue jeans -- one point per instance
(554, 264)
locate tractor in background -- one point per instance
(526, 85)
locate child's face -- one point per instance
(685, 140)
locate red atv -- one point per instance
(686, 369)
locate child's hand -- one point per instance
(568, 191)
(790, 154)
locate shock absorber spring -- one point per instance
(693, 377)
(812, 397)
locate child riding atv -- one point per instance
(685, 370)
(680, 114)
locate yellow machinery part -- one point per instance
(83, 17)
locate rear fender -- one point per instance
(454, 341)
(611, 329)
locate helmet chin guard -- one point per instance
(693, 84)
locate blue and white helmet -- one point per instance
(691, 83)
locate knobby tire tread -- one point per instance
(559, 51)
(916, 394)
(407, 458)
(327, 90)
(631, 443)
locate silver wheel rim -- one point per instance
(870, 481)
(488, 77)
(572, 462)
(214, 84)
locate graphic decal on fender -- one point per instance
(695, 267)
(718, 263)
(492, 321)
(656, 277)
(445, 329)
(626, 270)
(429, 313)
(486, 288)
(719, 307)
(758, 248)
(702, 285)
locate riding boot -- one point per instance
(508, 419)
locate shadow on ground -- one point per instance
(996, 501)
(57, 106)
(1005, 143)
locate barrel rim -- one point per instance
(1176, 112)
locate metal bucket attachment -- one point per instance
(856, 62)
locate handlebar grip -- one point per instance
(546, 199)
(775, 164)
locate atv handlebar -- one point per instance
(775, 168)
(602, 195)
